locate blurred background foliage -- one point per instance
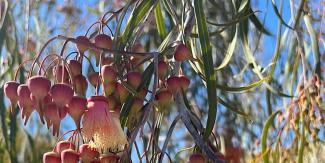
(245, 100)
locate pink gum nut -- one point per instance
(10, 90)
(61, 94)
(51, 112)
(173, 84)
(101, 127)
(60, 71)
(109, 88)
(24, 102)
(184, 82)
(47, 99)
(88, 154)
(137, 59)
(122, 92)
(62, 145)
(76, 109)
(109, 159)
(111, 102)
(196, 158)
(103, 41)
(164, 98)
(136, 105)
(108, 74)
(39, 87)
(134, 79)
(142, 93)
(138, 48)
(75, 67)
(82, 43)
(182, 53)
(93, 78)
(162, 70)
(69, 156)
(51, 157)
(80, 85)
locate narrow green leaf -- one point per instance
(302, 139)
(279, 15)
(208, 65)
(229, 52)
(160, 22)
(258, 24)
(314, 44)
(233, 109)
(265, 132)
(135, 18)
(251, 60)
(232, 22)
(169, 8)
(240, 89)
(243, 5)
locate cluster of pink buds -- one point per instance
(64, 91)
(66, 152)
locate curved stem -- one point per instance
(70, 54)
(91, 65)
(91, 27)
(53, 61)
(20, 66)
(43, 61)
(39, 54)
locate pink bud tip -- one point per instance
(103, 41)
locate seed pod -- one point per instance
(51, 157)
(80, 85)
(142, 93)
(51, 113)
(10, 90)
(173, 84)
(58, 72)
(82, 43)
(63, 145)
(87, 154)
(24, 102)
(109, 158)
(122, 92)
(61, 94)
(39, 87)
(164, 98)
(108, 74)
(111, 102)
(75, 67)
(76, 109)
(138, 48)
(93, 79)
(184, 82)
(182, 53)
(103, 41)
(69, 156)
(134, 79)
(196, 158)
(162, 70)
(109, 88)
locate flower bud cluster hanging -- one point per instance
(60, 88)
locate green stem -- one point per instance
(265, 132)
(302, 140)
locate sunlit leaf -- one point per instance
(208, 65)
